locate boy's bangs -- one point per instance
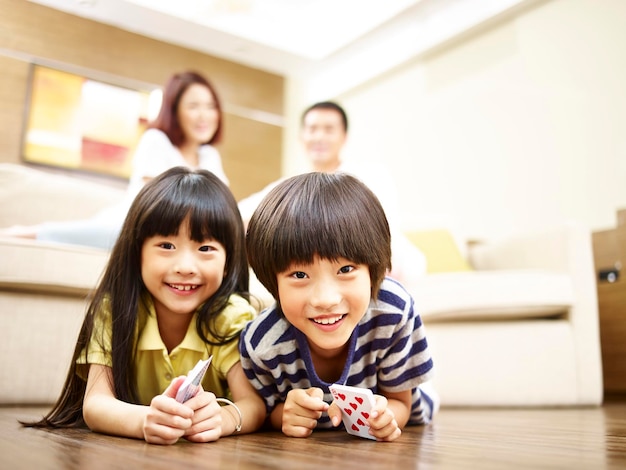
(300, 238)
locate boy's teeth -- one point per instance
(328, 321)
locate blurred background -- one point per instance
(494, 117)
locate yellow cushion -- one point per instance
(441, 251)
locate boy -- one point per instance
(320, 244)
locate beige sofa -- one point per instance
(519, 329)
(43, 286)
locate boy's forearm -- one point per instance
(276, 417)
(400, 410)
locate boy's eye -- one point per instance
(299, 275)
(346, 269)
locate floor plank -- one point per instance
(585, 438)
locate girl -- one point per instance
(189, 123)
(174, 292)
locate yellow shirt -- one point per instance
(155, 367)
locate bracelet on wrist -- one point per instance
(228, 402)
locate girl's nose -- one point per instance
(185, 263)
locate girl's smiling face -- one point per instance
(325, 300)
(181, 273)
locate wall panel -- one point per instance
(31, 32)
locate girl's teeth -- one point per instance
(183, 287)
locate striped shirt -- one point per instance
(387, 351)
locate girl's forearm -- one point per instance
(109, 415)
(252, 416)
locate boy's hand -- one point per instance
(334, 413)
(301, 411)
(167, 420)
(383, 424)
(207, 418)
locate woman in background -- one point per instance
(189, 123)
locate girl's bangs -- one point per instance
(206, 216)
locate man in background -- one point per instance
(324, 132)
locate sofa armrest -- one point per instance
(31, 196)
(47, 268)
(567, 248)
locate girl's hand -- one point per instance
(382, 421)
(301, 411)
(167, 420)
(207, 418)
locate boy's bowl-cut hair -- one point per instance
(328, 215)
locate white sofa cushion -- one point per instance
(493, 295)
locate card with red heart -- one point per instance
(356, 405)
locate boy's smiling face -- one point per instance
(325, 300)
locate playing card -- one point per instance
(356, 405)
(191, 385)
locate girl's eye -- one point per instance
(299, 275)
(167, 246)
(346, 269)
(206, 248)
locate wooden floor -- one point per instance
(572, 438)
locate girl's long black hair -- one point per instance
(178, 195)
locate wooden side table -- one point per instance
(609, 247)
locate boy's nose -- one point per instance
(325, 296)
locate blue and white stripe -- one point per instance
(387, 351)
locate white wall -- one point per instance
(518, 126)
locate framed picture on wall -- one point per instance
(79, 123)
